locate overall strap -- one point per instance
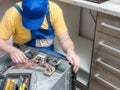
(18, 8)
(48, 17)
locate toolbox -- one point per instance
(17, 81)
(61, 76)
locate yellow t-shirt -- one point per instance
(11, 24)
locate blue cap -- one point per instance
(33, 13)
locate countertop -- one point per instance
(111, 7)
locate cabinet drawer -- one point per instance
(108, 24)
(107, 61)
(108, 80)
(108, 44)
(95, 85)
(98, 85)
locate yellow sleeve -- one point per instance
(57, 20)
(7, 27)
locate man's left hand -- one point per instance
(74, 60)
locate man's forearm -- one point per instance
(66, 43)
(16, 55)
(4, 46)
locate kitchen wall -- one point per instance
(71, 15)
(5, 4)
(87, 23)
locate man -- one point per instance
(35, 23)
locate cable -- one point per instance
(92, 16)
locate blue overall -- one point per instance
(42, 34)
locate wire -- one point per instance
(92, 16)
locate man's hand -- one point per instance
(17, 55)
(74, 60)
(68, 47)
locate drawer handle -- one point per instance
(110, 26)
(107, 46)
(106, 82)
(99, 60)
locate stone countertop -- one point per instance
(111, 7)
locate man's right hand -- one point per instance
(17, 55)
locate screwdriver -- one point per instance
(24, 85)
(12, 81)
(7, 85)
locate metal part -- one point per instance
(29, 54)
(5, 63)
(53, 61)
(40, 59)
(49, 70)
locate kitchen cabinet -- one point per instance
(105, 64)
(105, 67)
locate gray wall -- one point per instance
(87, 23)
(4, 4)
(72, 17)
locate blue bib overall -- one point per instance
(42, 34)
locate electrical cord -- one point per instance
(92, 16)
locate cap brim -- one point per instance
(32, 24)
